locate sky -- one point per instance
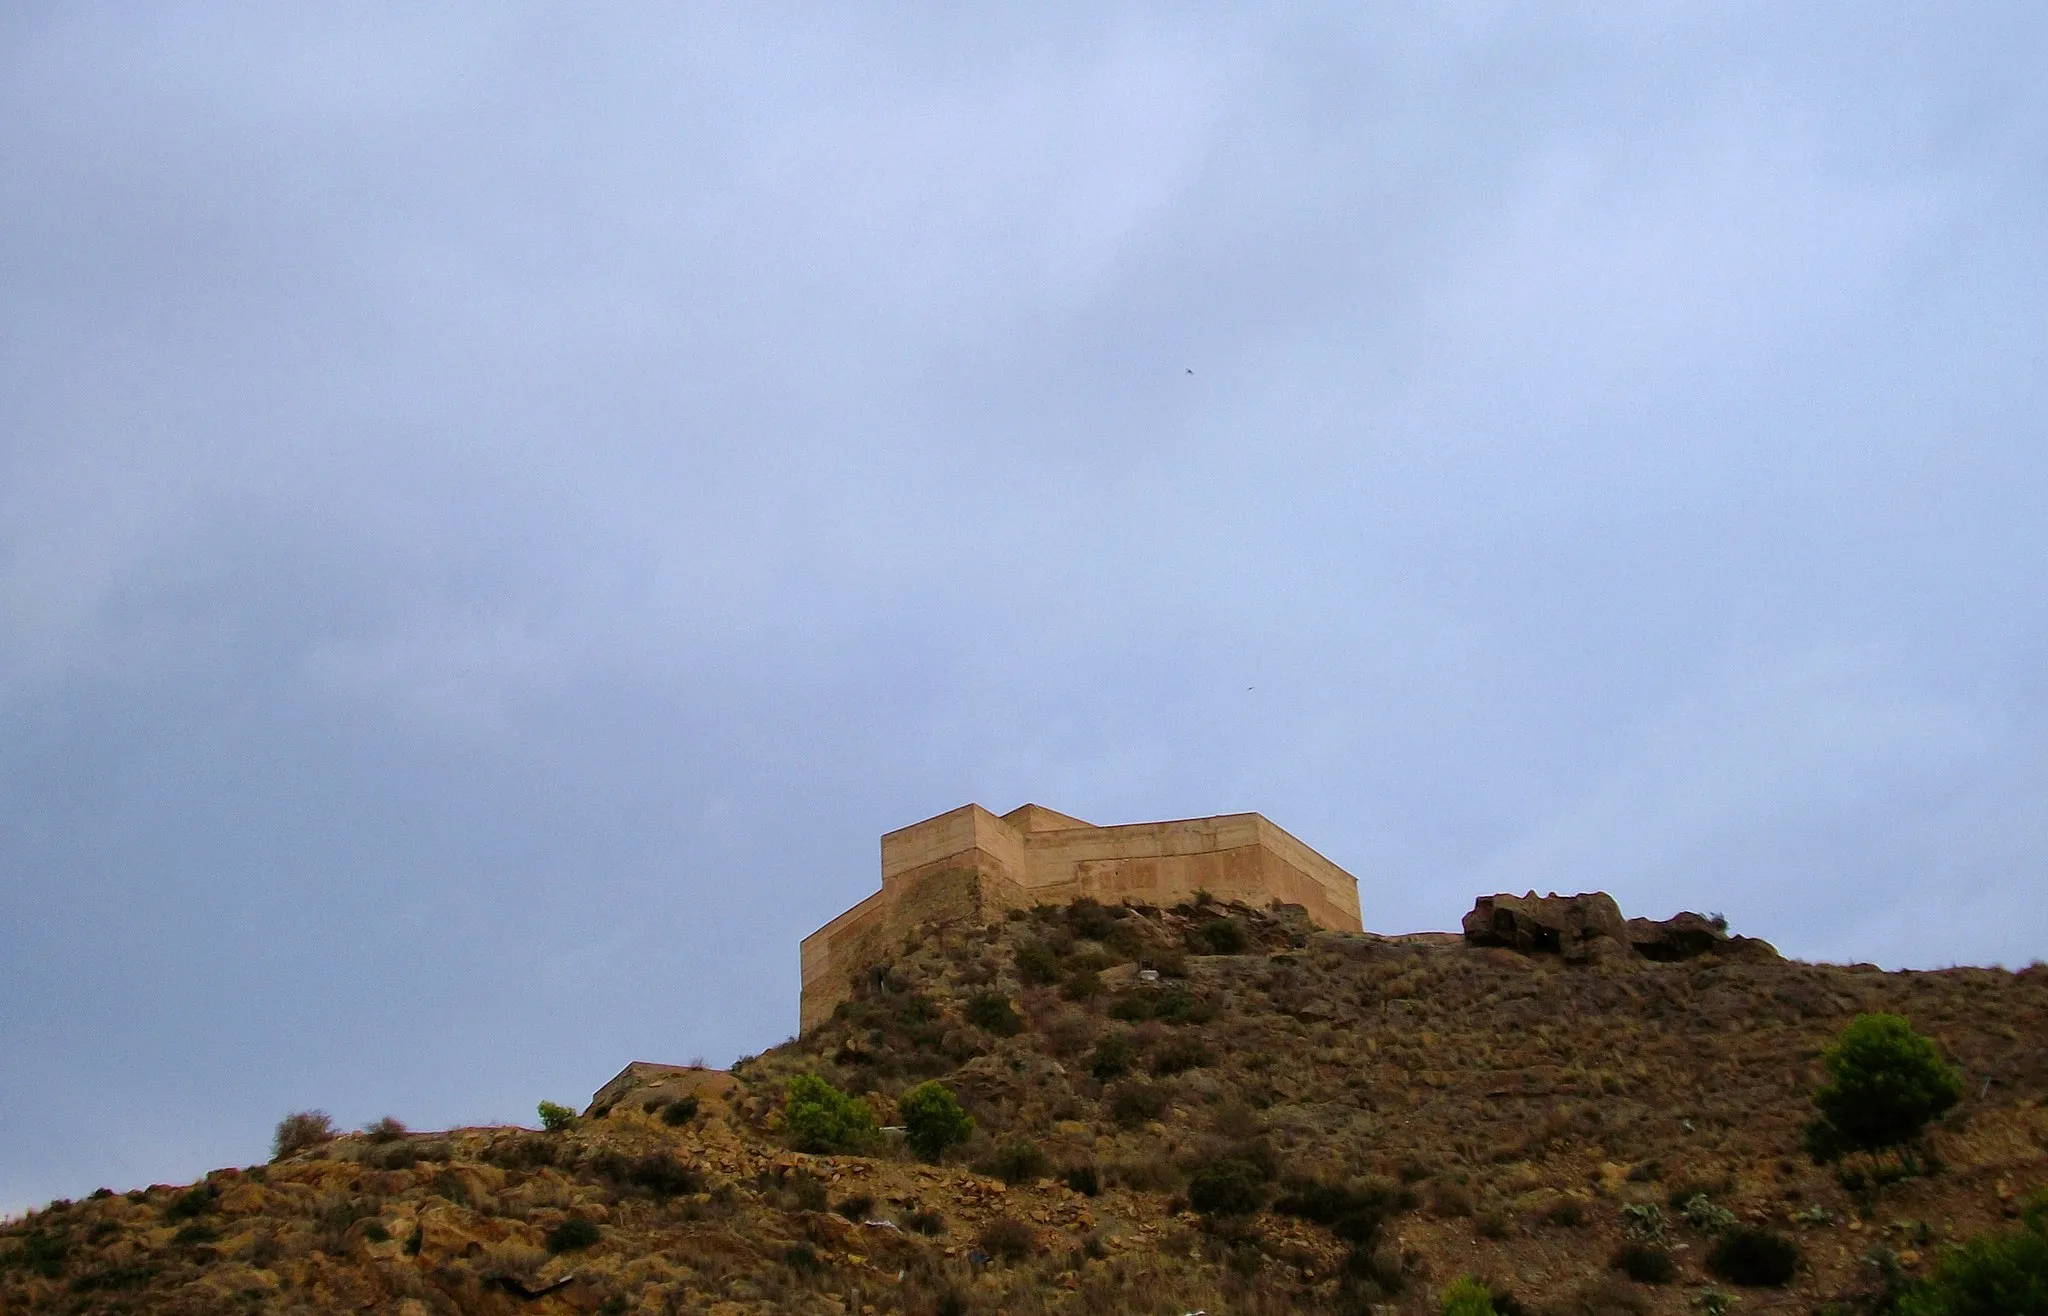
(502, 505)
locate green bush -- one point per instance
(933, 1120)
(992, 1011)
(1353, 1213)
(554, 1117)
(1112, 1057)
(1133, 1103)
(1468, 1297)
(1703, 1214)
(1885, 1082)
(194, 1201)
(572, 1235)
(1227, 1187)
(1014, 1162)
(1087, 919)
(1218, 936)
(1174, 1005)
(1179, 1056)
(1754, 1258)
(300, 1130)
(1998, 1274)
(680, 1111)
(1038, 962)
(1084, 1179)
(660, 1174)
(821, 1118)
(1084, 985)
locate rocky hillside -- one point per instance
(1213, 1108)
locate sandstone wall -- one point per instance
(969, 863)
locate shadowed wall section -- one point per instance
(969, 863)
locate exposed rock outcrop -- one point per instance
(1572, 926)
(1687, 935)
(1589, 926)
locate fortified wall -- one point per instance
(972, 864)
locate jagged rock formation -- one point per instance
(1589, 926)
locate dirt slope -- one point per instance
(1509, 1115)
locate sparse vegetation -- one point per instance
(1540, 1110)
(1007, 1238)
(387, 1129)
(299, 1131)
(1468, 1297)
(1113, 1057)
(1016, 1161)
(1137, 1101)
(993, 1012)
(1218, 936)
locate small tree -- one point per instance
(555, 1117)
(299, 1130)
(933, 1120)
(821, 1118)
(1885, 1082)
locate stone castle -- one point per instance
(971, 863)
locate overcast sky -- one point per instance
(501, 506)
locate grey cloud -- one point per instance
(498, 510)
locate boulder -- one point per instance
(1573, 926)
(1687, 935)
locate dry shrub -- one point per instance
(1008, 1239)
(300, 1130)
(1609, 1295)
(1451, 1201)
(387, 1129)
(1135, 1102)
(1070, 1033)
(1144, 1174)
(510, 1260)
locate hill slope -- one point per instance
(1398, 1111)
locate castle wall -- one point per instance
(969, 863)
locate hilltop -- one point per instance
(1359, 1119)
